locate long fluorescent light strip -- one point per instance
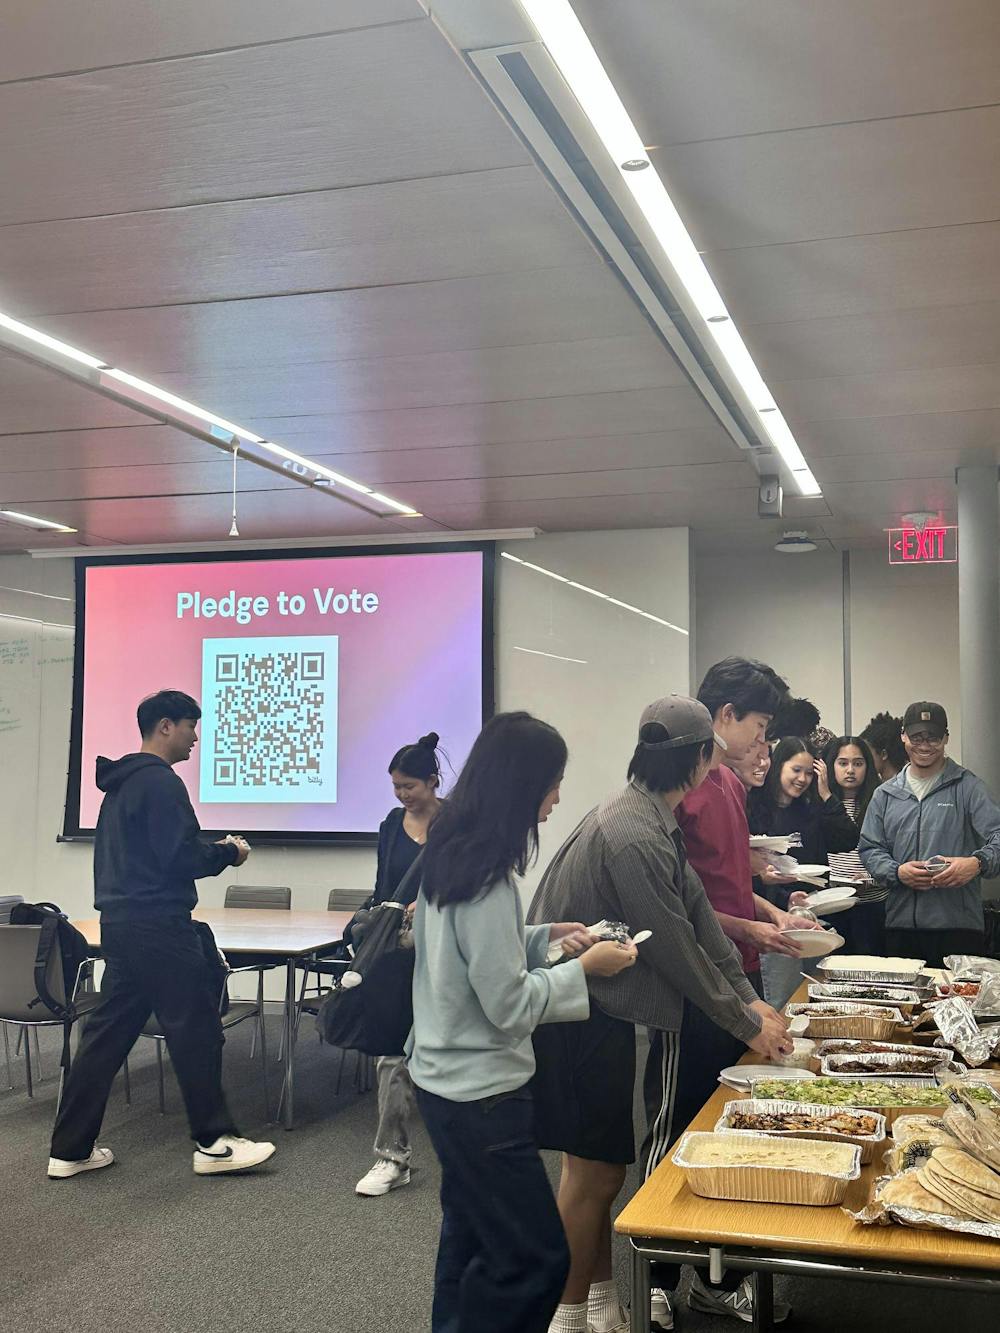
(30, 620)
(571, 49)
(594, 592)
(556, 657)
(30, 521)
(192, 409)
(29, 592)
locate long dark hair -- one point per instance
(872, 780)
(488, 827)
(419, 760)
(762, 802)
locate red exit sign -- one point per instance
(923, 546)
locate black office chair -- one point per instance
(263, 897)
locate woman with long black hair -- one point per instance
(416, 780)
(796, 798)
(480, 987)
(854, 778)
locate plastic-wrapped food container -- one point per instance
(781, 1183)
(868, 1143)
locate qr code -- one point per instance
(269, 719)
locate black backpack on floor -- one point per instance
(57, 933)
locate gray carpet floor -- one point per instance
(146, 1246)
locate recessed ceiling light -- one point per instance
(31, 521)
(635, 164)
(795, 543)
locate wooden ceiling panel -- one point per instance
(858, 275)
(840, 180)
(930, 337)
(366, 236)
(369, 105)
(494, 311)
(722, 68)
(33, 398)
(967, 434)
(894, 393)
(50, 36)
(477, 376)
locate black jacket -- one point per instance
(825, 826)
(148, 850)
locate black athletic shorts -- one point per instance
(583, 1086)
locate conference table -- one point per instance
(666, 1223)
(292, 938)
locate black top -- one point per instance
(148, 849)
(824, 826)
(397, 851)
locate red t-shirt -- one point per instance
(713, 819)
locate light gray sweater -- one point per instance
(480, 988)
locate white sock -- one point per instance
(604, 1311)
(570, 1319)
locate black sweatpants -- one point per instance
(150, 967)
(682, 1072)
(934, 946)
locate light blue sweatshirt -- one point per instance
(480, 988)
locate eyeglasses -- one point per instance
(924, 738)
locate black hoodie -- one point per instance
(148, 851)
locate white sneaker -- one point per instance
(661, 1314)
(229, 1153)
(60, 1170)
(383, 1177)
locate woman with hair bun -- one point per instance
(416, 778)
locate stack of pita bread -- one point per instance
(961, 1176)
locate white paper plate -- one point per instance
(812, 870)
(741, 1076)
(798, 1025)
(815, 943)
(832, 908)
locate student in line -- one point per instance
(148, 852)
(883, 734)
(743, 696)
(933, 808)
(854, 778)
(796, 798)
(416, 780)
(626, 862)
(480, 988)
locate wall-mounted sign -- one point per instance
(923, 546)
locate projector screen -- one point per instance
(311, 668)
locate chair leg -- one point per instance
(159, 1071)
(259, 1021)
(27, 1062)
(6, 1049)
(263, 1049)
(340, 1073)
(128, 1082)
(38, 1056)
(62, 1084)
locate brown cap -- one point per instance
(686, 722)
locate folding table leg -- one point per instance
(640, 1286)
(763, 1302)
(289, 1092)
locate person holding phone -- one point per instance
(932, 833)
(481, 986)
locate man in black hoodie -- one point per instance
(147, 854)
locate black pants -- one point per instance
(863, 929)
(502, 1258)
(149, 967)
(934, 945)
(682, 1072)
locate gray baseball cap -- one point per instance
(685, 720)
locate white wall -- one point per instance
(622, 660)
(904, 639)
(784, 610)
(788, 611)
(626, 660)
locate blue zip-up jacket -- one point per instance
(956, 818)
